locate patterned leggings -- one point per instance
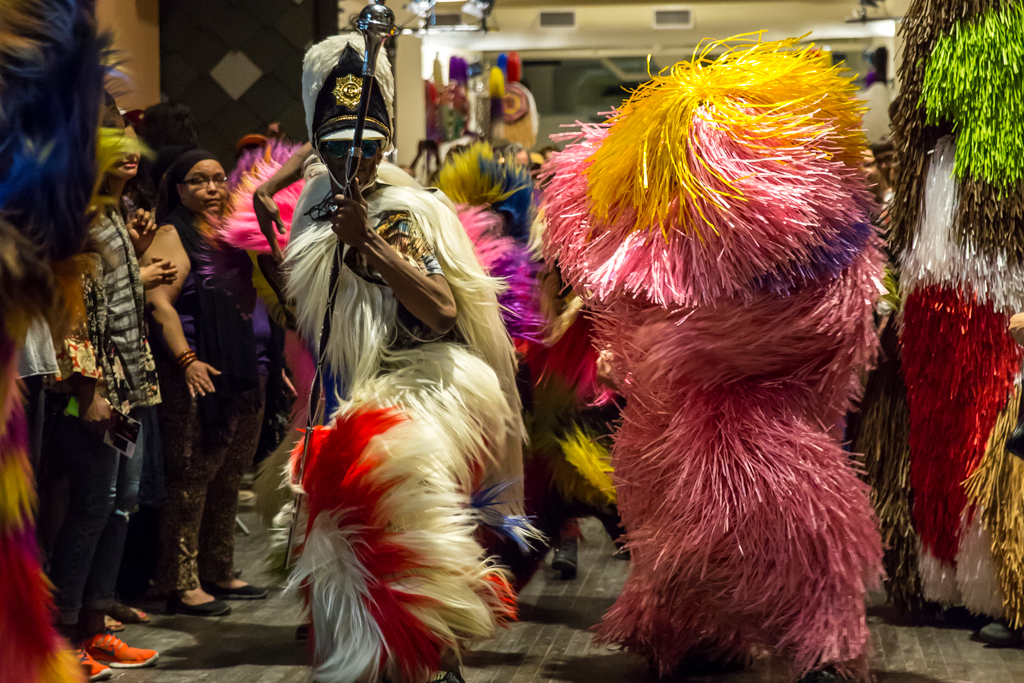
(197, 531)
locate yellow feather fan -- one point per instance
(593, 465)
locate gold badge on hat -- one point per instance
(347, 91)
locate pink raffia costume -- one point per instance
(718, 227)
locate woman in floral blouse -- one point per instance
(106, 373)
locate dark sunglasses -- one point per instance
(343, 148)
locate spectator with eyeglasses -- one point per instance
(212, 387)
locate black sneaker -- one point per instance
(302, 632)
(246, 592)
(176, 605)
(699, 664)
(566, 558)
(998, 634)
(826, 675)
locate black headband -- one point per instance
(175, 175)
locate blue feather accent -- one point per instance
(516, 206)
(826, 261)
(51, 89)
(517, 212)
(519, 528)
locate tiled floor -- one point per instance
(551, 644)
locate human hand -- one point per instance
(95, 411)
(289, 387)
(158, 272)
(199, 380)
(269, 216)
(349, 220)
(605, 370)
(142, 229)
(1017, 328)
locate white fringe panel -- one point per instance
(976, 569)
(938, 579)
(935, 257)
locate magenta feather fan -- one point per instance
(241, 229)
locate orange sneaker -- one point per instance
(106, 648)
(94, 671)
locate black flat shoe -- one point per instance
(175, 605)
(247, 592)
(302, 632)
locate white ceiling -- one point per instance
(617, 27)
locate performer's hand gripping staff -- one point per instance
(376, 23)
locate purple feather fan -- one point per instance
(274, 152)
(508, 260)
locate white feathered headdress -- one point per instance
(342, 94)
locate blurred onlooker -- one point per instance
(167, 129)
(884, 153)
(36, 366)
(169, 125)
(108, 381)
(255, 141)
(248, 143)
(547, 151)
(213, 391)
(878, 96)
(878, 163)
(38, 361)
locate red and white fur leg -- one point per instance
(392, 574)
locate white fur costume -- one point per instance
(460, 419)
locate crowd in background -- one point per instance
(146, 417)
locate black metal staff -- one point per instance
(377, 23)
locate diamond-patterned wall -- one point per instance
(237, 64)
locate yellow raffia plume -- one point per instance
(578, 463)
(14, 326)
(496, 85)
(995, 490)
(61, 666)
(755, 91)
(592, 464)
(111, 145)
(465, 177)
(17, 498)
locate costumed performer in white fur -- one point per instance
(395, 581)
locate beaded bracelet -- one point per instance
(187, 358)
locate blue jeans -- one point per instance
(104, 491)
(152, 488)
